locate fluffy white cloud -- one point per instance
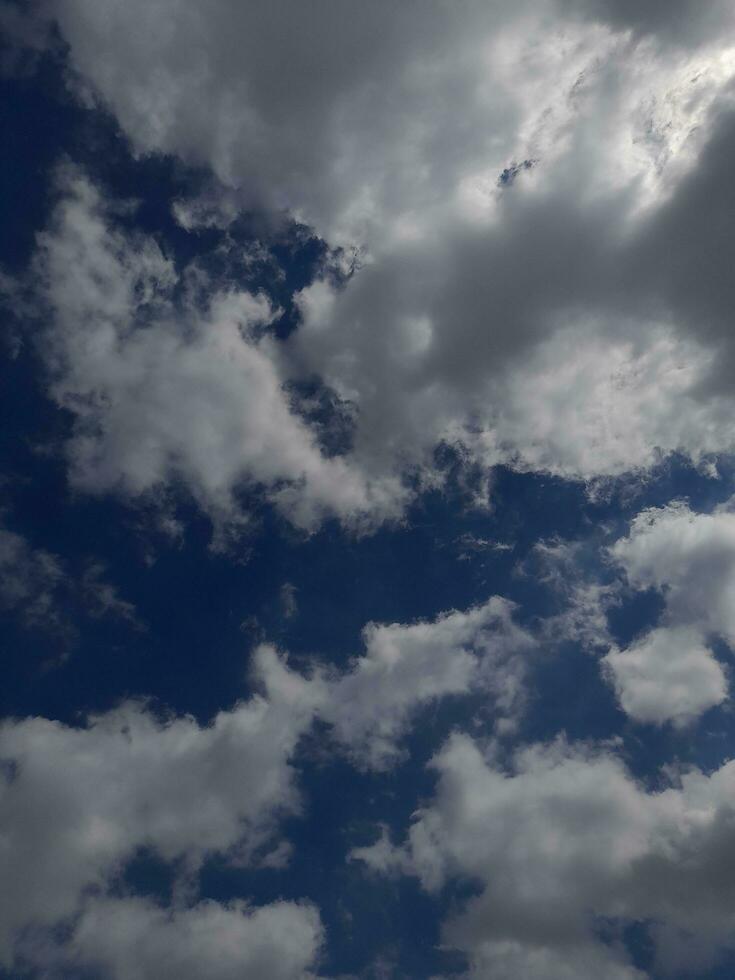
(406, 667)
(163, 389)
(668, 675)
(562, 842)
(77, 802)
(133, 939)
(690, 558)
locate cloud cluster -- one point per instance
(690, 558)
(670, 673)
(162, 389)
(77, 803)
(406, 667)
(565, 849)
(537, 199)
(133, 939)
(365, 119)
(536, 190)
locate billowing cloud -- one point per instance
(668, 675)
(668, 672)
(529, 187)
(406, 667)
(78, 802)
(563, 845)
(690, 558)
(164, 390)
(380, 113)
(527, 210)
(133, 939)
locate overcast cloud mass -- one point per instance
(367, 536)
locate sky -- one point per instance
(367, 490)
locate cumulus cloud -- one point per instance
(78, 802)
(378, 110)
(690, 558)
(133, 939)
(668, 675)
(563, 320)
(406, 667)
(669, 672)
(536, 197)
(162, 390)
(563, 841)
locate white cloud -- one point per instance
(690, 559)
(563, 839)
(406, 667)
(518, 960)
(668, 675)
(161, 390)
(133, 939)
(78, 802)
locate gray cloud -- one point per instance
(669, 674)
(78, 802)
(133, 939)
(41, 590)
(685, 22)
(690, 558)
(562, 837)
(163, 391)
(567, 321)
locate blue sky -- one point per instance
(367, 546)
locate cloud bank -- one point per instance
(536, 191)
(564, 844)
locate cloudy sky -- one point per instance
(367, 489)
